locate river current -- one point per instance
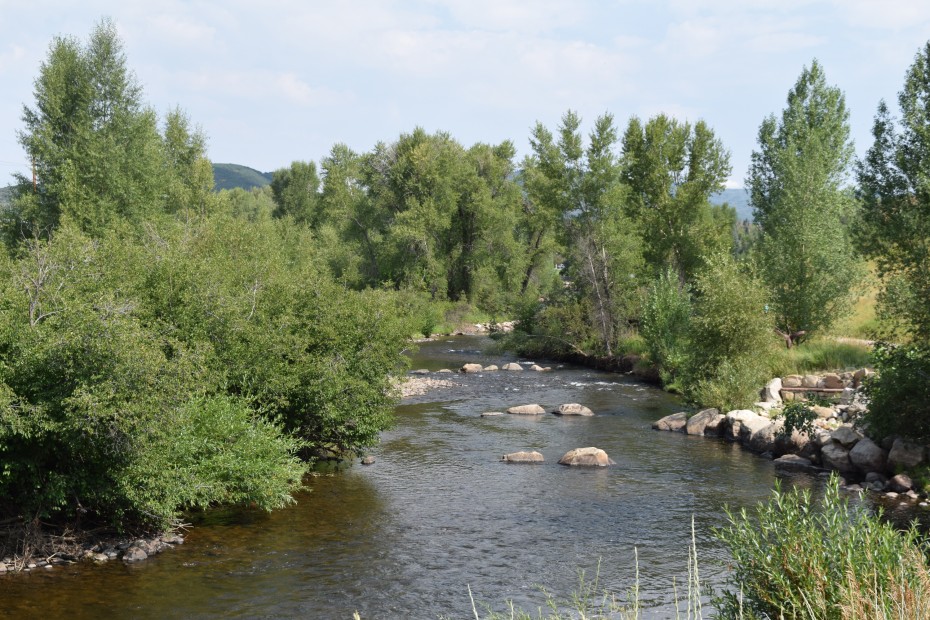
(439, 514)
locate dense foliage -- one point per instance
(796, 185)
(163, 348)
(794, 558)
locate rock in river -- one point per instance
(572, 409)
(527, 410)
(674, 422)
(469, 368)
(523, 457)
(512, 366)
(586, 457)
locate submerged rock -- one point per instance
(523, 457)
(491, 414)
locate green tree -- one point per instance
(672, 169)
(296, 192)
(580, 188)
(796, 184)
(895, 193)
(96, 147)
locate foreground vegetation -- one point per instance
(793, 557)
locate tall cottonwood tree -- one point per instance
(797, 190)
(95, 144)
(672, 168)
(894, 187)
(581, 189)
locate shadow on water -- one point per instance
(438, 512)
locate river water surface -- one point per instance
(438, 513)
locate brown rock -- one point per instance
(470, 368)
(573, 409)
(901, 483)
(833, 381)
(586, 457)
(792, 381)
(491, 368)
(810, 381)
(526, 410)
(523, 457)
(674, 422)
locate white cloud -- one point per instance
(266, 86)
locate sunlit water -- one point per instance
(438, 513)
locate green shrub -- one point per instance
(731, 337)
(794, 558)
(899, 394)
(664, 324)
(798, 417)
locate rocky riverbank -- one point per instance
(836, 442)
(46, 551)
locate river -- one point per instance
(438, 513)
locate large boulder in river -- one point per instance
(835, 456)
(472, 368)
(572, 409)
(697, 423)
(867, 456)
(743, 423)
(527, 410)
(586, 457)
(905, 454)
(674, 422)
(523, 457)
(512, 366)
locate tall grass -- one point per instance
(821, 354)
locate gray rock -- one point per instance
(835, 456)
(793, 462)
(490, 414)
(716, 426)
(173, 539)
(848, 397)
(523, 457)
(868, 457)
(824, 413)
(674, 422)
(420, 371)
(846, 435)
(134, 554)
(471, 368)
(100, 557)
(905, 454)
(526, 410)
(697, 424)
(573, 409)
(586, 457)
(444, 371)
(2, 567)
(763, 439)
(491, 368)
(537, 368)
(368, 460)
(874, 476)
(901, 483)
(740, 424)
(771, 393)
(512, 366)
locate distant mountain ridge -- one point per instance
(6, 195)
(229, 176)
(736, 197)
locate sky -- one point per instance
(276, 81)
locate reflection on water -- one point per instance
(438, 513)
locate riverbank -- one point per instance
(835, 440)
(26, 548)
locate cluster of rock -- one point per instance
(129, 551)
(417, 385)
(835, 444)
(579, 457)
(511, 366)
(568, 409)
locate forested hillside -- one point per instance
(230, 176)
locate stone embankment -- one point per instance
(836, 443)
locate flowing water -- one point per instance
(438, 513)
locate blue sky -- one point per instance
(279, 80)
